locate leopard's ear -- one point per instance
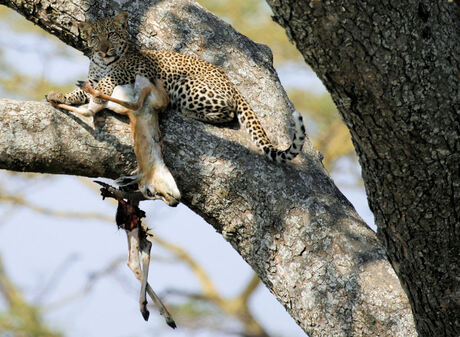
(122, 19)
(85, 29)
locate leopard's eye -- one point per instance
(114, 35)
(94, 39)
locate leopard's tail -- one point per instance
(249, 120)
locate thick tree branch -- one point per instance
(289, 222)
(392, 69)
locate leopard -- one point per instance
(199, 89)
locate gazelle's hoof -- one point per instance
(145, 313)
(171, 322)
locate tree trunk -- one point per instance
(289, 222)
(392, 70)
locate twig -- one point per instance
(90, 283)
(15, 200)
(55, 276)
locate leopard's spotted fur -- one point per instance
(198, 88)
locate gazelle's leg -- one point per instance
(129, 105)
(162, 99)
(134, 265)
(134, 246)
(133, 252)
(83, 110)
(161, 307)
(129, 180)
(145, 246)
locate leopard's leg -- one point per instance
(78, 96)
(75, 97)
(197, 99)
(213, 115)
(97, 101)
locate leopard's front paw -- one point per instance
(55, 97)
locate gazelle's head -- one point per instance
(160, 184)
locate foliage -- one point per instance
(20, 318)
(14, 81)
(253, 19)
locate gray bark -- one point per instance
(392, 69)
(289, 222)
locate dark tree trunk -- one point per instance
(392, 68)
(289, 222)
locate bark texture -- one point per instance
(289, 222)
(392, 68)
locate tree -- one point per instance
(290, 223)
(392, 70)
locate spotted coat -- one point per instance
(199, 89)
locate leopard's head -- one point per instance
(107, 38)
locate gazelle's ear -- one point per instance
(122, 19)
(85, 29)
